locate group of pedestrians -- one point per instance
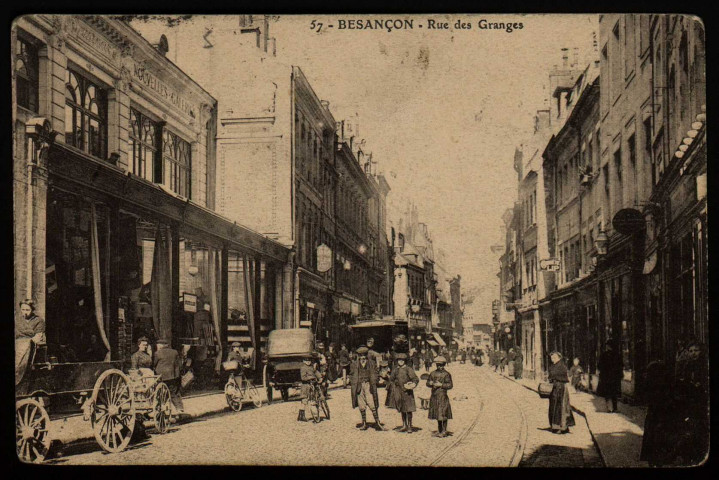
(676, 427)
(363, 370)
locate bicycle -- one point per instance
(236, 392)
(317, 402)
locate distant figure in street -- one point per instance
(344, 361)
(575, 374)
(167, 364)
(463, 357)
(440, 409)
(416, 360)
(363, 388)
(518, 364)
(502, 361)
(560, 411)
(308, 374)
(332, 363)
(403, 380)
(610, 377)
(428, 360)
(372, 355)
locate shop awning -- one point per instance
(460, 343)
(433, 343)
(439, 340)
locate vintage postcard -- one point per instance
(360, 240)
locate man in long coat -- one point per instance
(403, 380)
(610, 377)
(363, 388)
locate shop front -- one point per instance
(124, 259)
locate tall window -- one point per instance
(85, 115)
(143, 144)
(648, 144)
(176, 163)
(618, 170)
(26, 74)
(632, 150)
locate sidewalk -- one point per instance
(618, 436)
(74, 429)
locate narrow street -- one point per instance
(497, 423)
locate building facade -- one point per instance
(115, 236)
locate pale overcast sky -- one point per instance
(442, 111)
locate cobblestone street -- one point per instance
(496, 423)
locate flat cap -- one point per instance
(440, 359)
(362, 350)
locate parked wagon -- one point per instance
(285, 350)
(109, 399)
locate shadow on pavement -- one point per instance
(556, 456)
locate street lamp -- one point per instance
(601, 243)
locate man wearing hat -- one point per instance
(440, 381)
(372, 355)
(403, 380)
(167, 364)
(308, 374)
(363, 387)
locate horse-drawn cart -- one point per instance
(109, 399)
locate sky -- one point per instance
(441, 110)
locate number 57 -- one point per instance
(317, 25)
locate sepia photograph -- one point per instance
(398, 240)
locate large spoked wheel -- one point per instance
(250, 391)
(31, 431)
(113, 416)
(314, 406)
(162, 408)
(233, 395)
(324, 407)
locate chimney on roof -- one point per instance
(325, 104)
(565, 57)
(576, 57)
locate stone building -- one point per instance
(675, 250)
(115, 233)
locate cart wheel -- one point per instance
(233, 395)
(251, 392)
(269, 394)
(113, 417)
(162, 408)
(324, 407)
(285, 392)
(31, 431)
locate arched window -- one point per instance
(85, 115)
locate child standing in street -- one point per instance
(440, 381)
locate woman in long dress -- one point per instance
(560, 411)
(440, 409)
